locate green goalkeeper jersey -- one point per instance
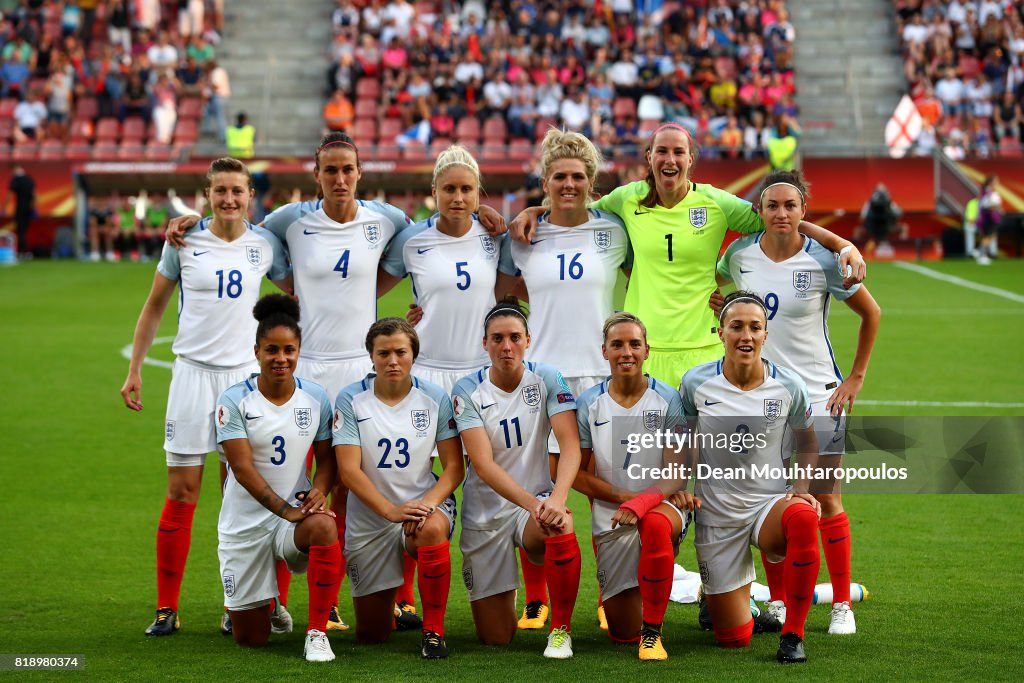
(675, 253)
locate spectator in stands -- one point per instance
(119, 25)
(549, 96)
(339, 112)
(756, 137)
(23, 187)
(522, 116)
(950, 91)
(200, 49)
(190, 77)
(442, 123)
(1008, 120)
(165, 106)
(191, 17)
(59, 93)
(345, 15)
(497, 96)
(574, 111)
(730, 139)
(135, 100)
(218, 90)
(241, 138)
(30, 116)
(14, 75)
(163, 55)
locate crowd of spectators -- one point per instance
(413, 77)
(964, 62)
(120, 73)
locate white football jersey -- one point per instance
(570, 275)
(280, 437)
(517, 424)
(335, 272)
(604, 427)
(397, 444)
(453, 282)
(218, 284)
(797, 293)
(760, 415)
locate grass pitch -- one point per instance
(85, 483)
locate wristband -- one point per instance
(642, 503)
(845, 250)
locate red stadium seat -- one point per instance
(364, 132)
(415, 150)
(186, 132)
(108, 130)
(87, 108)
(190, 108)
(130, 150)
(368, 88)
(543, 124)
(7, 106)
(25, 151)
(467, 130)
(105, 150)
(157, 152)
(494, 152)
(50, 150)
(389, 128)
(1009, 146)
(495, 130)
(134, 130)
(520, 148)
(366, 109)
(78, 151)
(438, 145)
(82, 131)
(6, 130)
(387, 151)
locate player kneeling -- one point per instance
(745, 396)
(270, 512)
(636, 529)
(386, 429)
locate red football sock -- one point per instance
(323, 577)
(775, 575)
(339, 523)
(835, 540)
(800, 526)
(562, 570)
(284, 581)
(533, 579)
(738, 636)
(405, 592)
(600, 597)
(656, 566)
(435, 578)
(173, 538)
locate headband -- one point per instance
(670, 124)
(761, 196)
(741, 300)
(332, 143)
(506, 311)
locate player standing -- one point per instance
(386, 429)
(751, 402)
(797, 278)
(504, 414)
(636, 551)
(266, 425)
(219, 276)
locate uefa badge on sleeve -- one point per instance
(339, 420)
(222, 416)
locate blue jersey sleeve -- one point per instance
(445, 427)
(829, 263)
(560, 398)
(394, 259)
(800, 408)
(228, 417)
(674, 408)
(393, 214)
(687, 389)
(326, 425)
(583, 404)
(278, 221)
(725, 263)
(346, 431)
(169, 265)
(467, 413)
(506, 264)
(280, 268)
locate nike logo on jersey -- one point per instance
(199, 253)
(638, 212)
(423, 251)
(310, 232)
(711, 403)
(598, 424)
(836, 540)
(837, 438)
(538, 241)
(745, 271)
(802, 564)
(562, 563)
(252, 417)
(363, 419)
(489, 405)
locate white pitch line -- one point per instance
(126, 351)
(953, 279)
(941, 404)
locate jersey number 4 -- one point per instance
(342, 265)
